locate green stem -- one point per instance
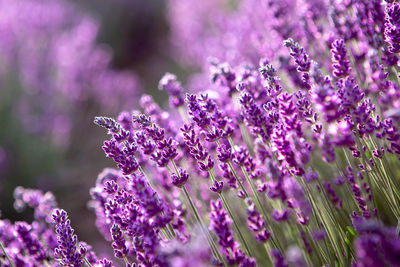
(5, 253)
(181, 111)
(267, 249)
(258, 202)
(126, 260)
(234, 172)
(202, 225)
(87, 262)
(228, 209)
(198, 218)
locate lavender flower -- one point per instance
(256, 223)
(220, 225)
(376, 244)
(392, 33)
(170, 84)
(341, 64)
(67, 251)
(279, 259)
(119, 246)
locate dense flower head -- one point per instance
(31, 242)
(108, 123)
(341, 64)
(299, 55)
(67, 251)
(119, 246)
(392, 30)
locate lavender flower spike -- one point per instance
(392, 27)
(341, 64)
(30, 241)
(67, 241)
(220, 222)
(110, 124)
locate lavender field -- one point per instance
(189, 133)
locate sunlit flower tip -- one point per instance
(110, 124)
(173, 87)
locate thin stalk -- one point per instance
(234, 172)
(5, 253)
(267, 249)
(228, 209)
(258, 202)
(202, 225)
(246, 138)
(181, 111)
(126, 260)
(243, 130)
(324, 221)
(237, 179)
(241, 237)
(198, 218)
(353, 64)
(165, 234)
(385, 178)
(366, 163)
(87, 262)
(171, 230)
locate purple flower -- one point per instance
(302, 60)
(280, 215)
(224, 153)
(217, 186)
(376, 244)
(110, 124)
(392, 27)
(341, 64)
(180, 179)
(279, 260)
(119, 246)
(297, 199)
(332, 195)
(219, 223)
(67, 251)
(30, 241)
(256, 223)
(324, 96)
(42, 203)
(170, 84)
(197, 112)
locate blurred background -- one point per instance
(61, 63)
